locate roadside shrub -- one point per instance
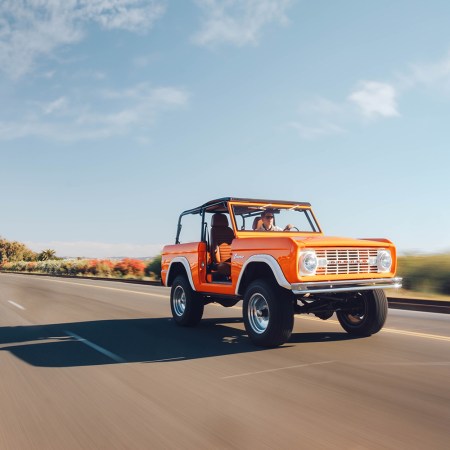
(31, 266)
(105, 267)
(81, 267)
(51, 267)
(100, 267)
(68, 267)
(154, 267)
(18, 266)
(130, 267)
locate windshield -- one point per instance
(288, 218)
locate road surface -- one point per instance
(96, 365)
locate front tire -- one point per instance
(186, 305)
(268, 314)
(368, 317)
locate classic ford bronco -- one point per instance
(273, 255)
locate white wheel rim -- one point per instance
(258, 313)
(179, 301)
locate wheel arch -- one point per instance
(260, 266)
(179, 266)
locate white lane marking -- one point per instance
(104, 287)
(443, 363)
(96, 347)
(436, 337)
(16, 305)
(178, 358)
(276, 370)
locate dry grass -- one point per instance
(426, 274)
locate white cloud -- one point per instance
(322, 107)
(375, 99)
(131, 15)
(97, 249)
(319, 117)
(238, 22)
(31, 29)
(312, 132)
(143, 61)
(103, 115)
(57, 105)
(436, 74)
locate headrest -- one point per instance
(257, 221)
(219, 220)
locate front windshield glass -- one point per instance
(288, 218)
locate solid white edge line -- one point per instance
(103, 287)
(16, 305)
(96, 347)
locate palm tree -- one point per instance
(45, 255)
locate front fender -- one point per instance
(273, 265)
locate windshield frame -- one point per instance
(259, 207)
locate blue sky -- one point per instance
(118, 114)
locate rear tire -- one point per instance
(368, 317)
(268, 314)
(186, 305)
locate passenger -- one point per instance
(268, 225)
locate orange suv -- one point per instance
(273, 255)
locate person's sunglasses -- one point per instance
(268, 217)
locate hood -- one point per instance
(333, 241)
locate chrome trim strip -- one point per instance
(346, 286)
(351, 282)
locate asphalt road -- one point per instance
(96, 365)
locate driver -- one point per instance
(268, 225)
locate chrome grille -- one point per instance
(346, 261)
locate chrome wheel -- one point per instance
(179, 301)
(268, 312)
(258, 313)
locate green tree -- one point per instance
(154, 267)
(11, 251)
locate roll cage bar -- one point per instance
(221, 205)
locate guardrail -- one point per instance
(436, 306)
(420, 304)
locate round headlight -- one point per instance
(308, 263)
(384, 261)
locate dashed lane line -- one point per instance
(16, 305)
(96, 347)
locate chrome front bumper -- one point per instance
(318, 287)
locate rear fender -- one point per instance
(185, 263)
